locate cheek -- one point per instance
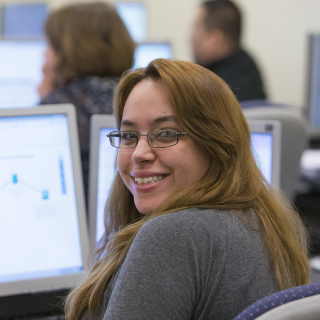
(198, 166)
(123, 163)
(192, 167)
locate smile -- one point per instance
(148, 180)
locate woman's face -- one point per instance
(51, 57)
(174, 168)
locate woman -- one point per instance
(88, 49)
(193, 230)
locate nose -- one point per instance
(143, 152)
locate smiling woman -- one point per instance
(170, 169)
(192, 229)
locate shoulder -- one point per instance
(196, 225)
(195, 218)
(56, 96)
(246, 58)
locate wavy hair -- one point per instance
(89, 39)
(206, 108)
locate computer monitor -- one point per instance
(102, 164)
(266, 147)
(21, 72)
(135, 17)
(147, 51)
(43, 232)
(313, 84)
(23, 20)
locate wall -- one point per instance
(275, 32)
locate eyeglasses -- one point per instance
(156, 138)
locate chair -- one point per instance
(293, 141)
(302, 309)
(277, 299)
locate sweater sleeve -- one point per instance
(160, 276)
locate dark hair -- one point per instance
(89, 39)
(225, 16)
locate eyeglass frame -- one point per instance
(147, 135)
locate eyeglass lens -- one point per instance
(156, 138)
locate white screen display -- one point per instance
(146, 52)
(23, 20)
(20, 73)
(106, 173)
(134, 16)
(262, 145)
(39, 229)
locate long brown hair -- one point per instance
(206, 108)
(89, 39)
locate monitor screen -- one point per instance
(39, 221)
(134, 16)
(262, 147)
(107, 156)
(23, 20)
(146, 52)
(21, 72)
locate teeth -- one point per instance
(148, 180)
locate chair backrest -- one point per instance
(293, 141)
(277, 299)
(306, 309)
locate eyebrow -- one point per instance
(157, 120)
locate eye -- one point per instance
(127, 135)
(165, 135)
(128, 138)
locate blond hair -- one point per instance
(206, 108)
(89, 39)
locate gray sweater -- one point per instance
(191, 264)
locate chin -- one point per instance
(145, 209)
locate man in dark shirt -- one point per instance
(216, 46)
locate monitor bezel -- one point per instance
(312, 83)
(61, 281)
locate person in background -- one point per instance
(88, 49)
(192, 228)
(216, 46)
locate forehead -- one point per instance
(148, 100)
